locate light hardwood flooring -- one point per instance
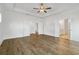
(43, 45)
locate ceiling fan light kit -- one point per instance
(42, 8)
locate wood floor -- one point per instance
(43, 45)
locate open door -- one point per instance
(64, 37)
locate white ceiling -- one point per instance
(27, 8)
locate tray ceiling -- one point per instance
(27, 8)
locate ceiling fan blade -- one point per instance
(45, 11)
(35, 8)
(41, 4)
(49, 8)
(38, 11)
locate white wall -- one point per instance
(73, 17)
(0, 25)
(49, 26)
(16, 24)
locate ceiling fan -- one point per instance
(42, 8)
